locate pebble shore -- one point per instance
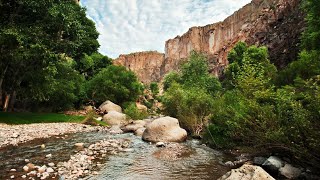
(16, 134)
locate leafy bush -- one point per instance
(116, 84)
(154, 88)
(132, 111)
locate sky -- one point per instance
(128, 26)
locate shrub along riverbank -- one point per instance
(254, 104)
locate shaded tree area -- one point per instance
(48, 52)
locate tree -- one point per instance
(35, 37)
(116, 84)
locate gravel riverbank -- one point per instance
(16, 134)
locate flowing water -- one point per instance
(200, 162)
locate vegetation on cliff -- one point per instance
(257, 106)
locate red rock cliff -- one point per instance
(276, 24)
(146, 65)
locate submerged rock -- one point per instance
(247, 172)
(290, 172)
(165, 129)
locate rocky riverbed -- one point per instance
(16, 134)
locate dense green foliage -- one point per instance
(255, 112)
(257, 106)
(49, 53)
(116, 84)
(133, 112)
(188, 95)
(28, 118)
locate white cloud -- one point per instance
(127, 26)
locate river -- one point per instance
(141, 163)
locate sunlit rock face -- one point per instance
(146, 65)
(276, 24)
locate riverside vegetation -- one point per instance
(49, 62)
(254, 104)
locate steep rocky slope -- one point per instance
(276, 24)
(147, 65)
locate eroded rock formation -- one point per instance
(276, 24)
(147, 65)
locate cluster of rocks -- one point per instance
(259, 168)
(162, 129)
(15, 134)
(84, 162)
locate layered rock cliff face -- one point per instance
(146, 65)
(276, 24)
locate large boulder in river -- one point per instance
(114, 118)
(165, 129)
(108, 106)
(247, 172)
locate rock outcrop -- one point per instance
(146, 65)
(276, 24)
(165, 129)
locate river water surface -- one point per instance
(200, 163)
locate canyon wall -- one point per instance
(146, 65)
(276, 24)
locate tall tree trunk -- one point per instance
(6, 102)
(12, 101)
(1, 81)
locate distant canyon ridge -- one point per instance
(276, 24)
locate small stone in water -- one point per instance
(51, 164)
(48, 155)
(25, 168)
(23, 176)
(26, 160)
(43, 146)
(12, 177)
(13, 170)
(50, 170)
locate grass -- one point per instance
(29, 118)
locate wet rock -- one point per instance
(259, 160)
(229, 164)
(43, 146)
(247, 172)
(134, 125)
(25, 168)
(109, 106)
(42, 169)
(289, 171)
(12, 177)
(13, 170)
(114, 118)
(172, 152)
(49, 170)
(79, 145)
(139, 132)
(273, 164)
(51, 164)
(160, 144)
(48, 155)
(23, 176)
(165, 129)
(115, 129)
